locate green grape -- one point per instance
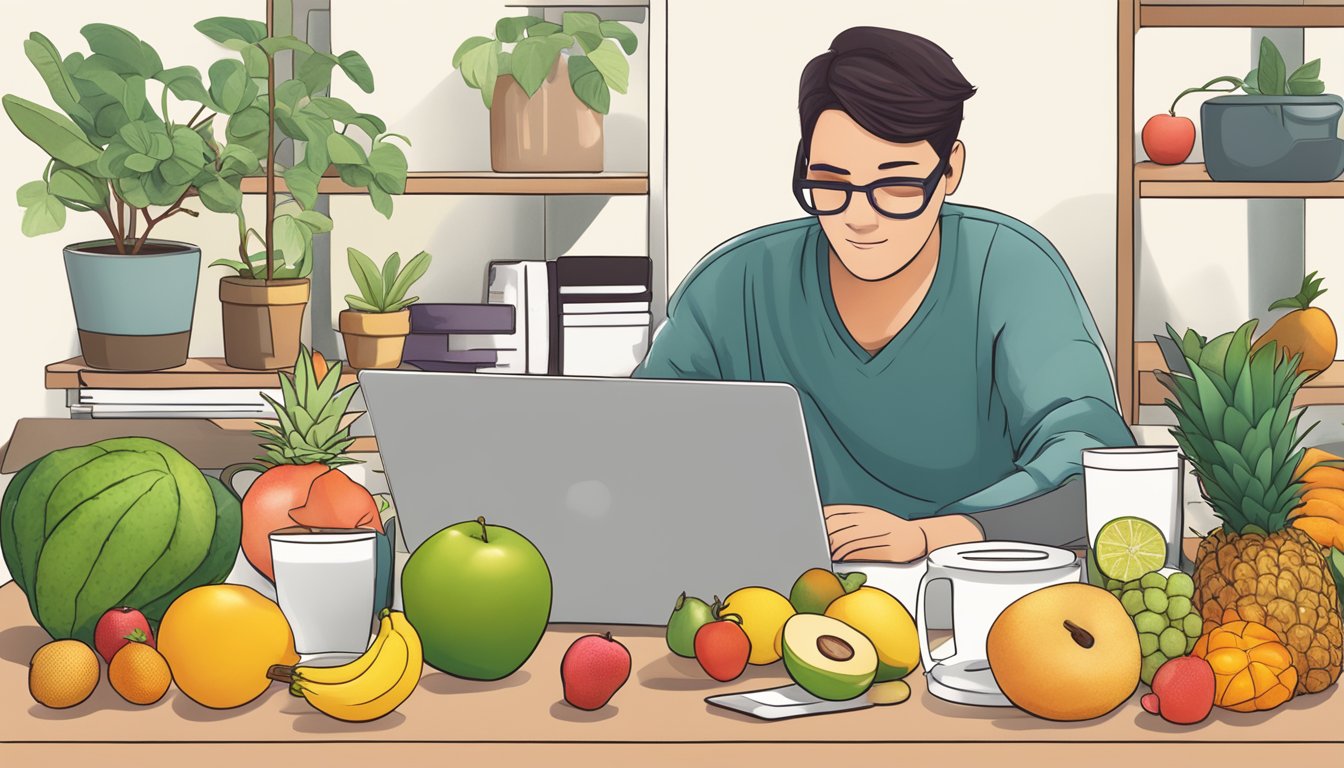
(1192, 625)
(1177, 608)
(1133, 601)
(1171, 642)
(1131, 585)
(1190, 644)
(1148, 621)
(1180, 585)
(1155, 600)
(1153, 580)
(1147, 643)
(1151, 663)
(1117, 593)
(1114, 584)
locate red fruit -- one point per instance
(593, 670)
(311, 495)
(1168, 139)
(1182, 691)
(114, 627)
(722, 648)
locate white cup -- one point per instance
(1142, 481)
(324, 583)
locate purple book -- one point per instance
(462, 318)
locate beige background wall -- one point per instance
(1040, 135)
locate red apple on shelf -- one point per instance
(1183, 691)
(593, 670)
(1168, 139)
(116, 627)
(722, 648)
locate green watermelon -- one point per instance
(126, 521)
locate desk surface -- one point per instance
(659, 715)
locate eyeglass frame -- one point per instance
(926, 185)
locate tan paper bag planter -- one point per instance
(374, 340)
(552, 132)
(263, 321)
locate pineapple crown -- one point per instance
(1311, 290)
(1237, 425)
(309, 429)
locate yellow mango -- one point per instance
(1322, 530)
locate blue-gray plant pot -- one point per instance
(133, 313)
(1273, 138)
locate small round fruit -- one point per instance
(1171, 642)
(1147, 643)
(1155, 600)
(62, 673)
(1153, 580)
(1148, 621)
(1133, 601)
(139, 673)
(1168, 139)
(1180, 584)
(1129, 547)
(1151, 663)
(1132, 585)
(890, 692)
(1192, 625)
(1190, 644)
(1178, 608)
(1114, 584)
(763, 613)
(1117, 593)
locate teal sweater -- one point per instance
(985, 399)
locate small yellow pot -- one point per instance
(374, 340)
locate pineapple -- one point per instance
(309, 429)
(1237, 426)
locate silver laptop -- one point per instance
(633, 490)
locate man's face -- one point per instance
(873, 246)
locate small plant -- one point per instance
(1269, 78)
(384, 290)
(538, 44)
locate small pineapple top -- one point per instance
(1237, 425)
(1311, 290)
(309, 429)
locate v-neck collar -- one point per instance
(821, 255)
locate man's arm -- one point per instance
(1049, 369)
(682, 347)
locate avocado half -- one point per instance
(828, 658)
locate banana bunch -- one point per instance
(372, 685)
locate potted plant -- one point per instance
(264, 301)
(1283, 127)
(126, 152)
(546, 101)
(376, 324)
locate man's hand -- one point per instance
(859, 532)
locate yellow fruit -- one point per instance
(1322, 502)
(1322, 530)
(139, 673)
(1322, 478)
(1306, 330)
(763, 613)
(1311, 458)
(1252, 670)
(887, 623)
(62, 673)
(220, 640)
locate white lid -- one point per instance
(322, 535)
(1001, 557)
(1134, 458)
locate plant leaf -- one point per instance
(415, 269)
(470, 44)
(1251, 83)
(274, 45)
(123, 47)
(577, 22)
(388, 164)
(344, 150)
(230, 87)
(389, 276)
(357, 69)
(72, 184)
(480, 68)
(621, 34)
(382, 201)
(43, 213)
(52, 131)
(613, 65)
(315, 71)
(1309, 71)
(47, 61)
(365, 273)
(1272, 79)
(544, 29)
(358, 304)
(510, 30)
(533, 59)
(302, 183)
(291, 240)
(185, 83)
(232, 32)
(1306, 87)
(588, 84)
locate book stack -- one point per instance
(223, 403)
(602, 314)
(464, 338)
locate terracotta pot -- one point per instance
(133, 312)
(374, 340)
(263, 321)
(554, 131)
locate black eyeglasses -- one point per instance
(896, 197)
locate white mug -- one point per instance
(324, 583)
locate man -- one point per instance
(947, 363)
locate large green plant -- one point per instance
(264, 114)
(120, 146)
(601, 69)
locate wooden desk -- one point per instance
(658, 718)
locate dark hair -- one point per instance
(897, 86)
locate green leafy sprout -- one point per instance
(537, 44)
(1269, 78)
(384, 290)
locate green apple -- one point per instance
(688, 616)
(828, 658)
(479, 596)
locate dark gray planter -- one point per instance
(133, 313)
(1273, 138)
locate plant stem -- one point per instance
(192, 122)
(270, 146)
(129, 232)
(106, 216)
(1235, 82)
(150, 221)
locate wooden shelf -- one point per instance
(1325, 389)
(1265, 13)
(489, 183)
(1190, 180)
(198, 373)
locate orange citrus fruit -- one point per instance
(62, 673)
(220, 640)
(139, 673)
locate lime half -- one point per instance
(1129, 547)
